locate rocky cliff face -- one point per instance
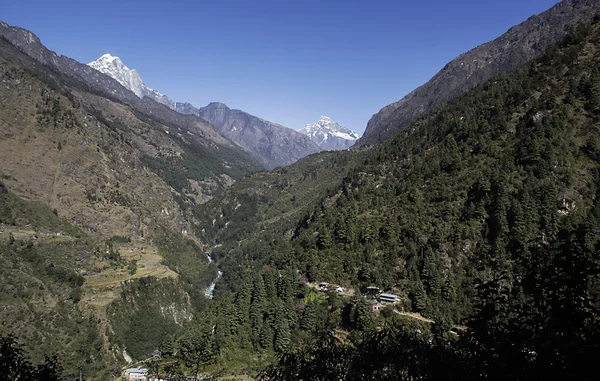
(329, 135)
(517, 46)
(114, 67)
(274, 144)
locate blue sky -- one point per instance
(286, 61)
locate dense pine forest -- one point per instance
(482, 215)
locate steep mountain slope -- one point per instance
(329, 135)
(274, 144)
(130, 79)
(95, 201)
(484, 213)
(41, 286)
(519, 45)
(90, 79)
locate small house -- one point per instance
(375, 305)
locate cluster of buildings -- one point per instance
(380, 299)
(377, 298)
(136, 374)
(324, 286)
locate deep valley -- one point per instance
(458, 240)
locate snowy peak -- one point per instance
(115, 68)
(329, 135)
(106, 58)
(129, 78)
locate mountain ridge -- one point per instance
(518, 45)
(129, 78)
(482, 217)
(90, 79)
(275, 144)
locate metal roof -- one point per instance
(138, 370)
(391, 296)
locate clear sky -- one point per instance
(287, 61)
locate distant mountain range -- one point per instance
(329, 135)
(517, 46)
(116, 209)
(272, 144)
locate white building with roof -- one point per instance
(388, 298)
(137, 374)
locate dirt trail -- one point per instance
(415, 315)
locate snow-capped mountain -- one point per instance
(129, 78)
(329, 135)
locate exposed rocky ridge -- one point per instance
(518, 45)
(275, 144)
(330, 135)
(186, 108)
(114, 67)
(92, 80)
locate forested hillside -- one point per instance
(482, 215)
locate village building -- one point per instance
(375, 305)
(136, 374)
(372, 291)
(388, 298)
